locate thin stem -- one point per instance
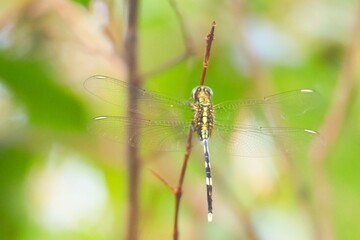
(209, 39)
(262, 86)
(188, 42)
(178, 189)
(330, 130)
(131, 47)
(184, 30)
(242, 213)
(170, 63)
(163, 180)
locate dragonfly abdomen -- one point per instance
(208, 179)
(203, 124)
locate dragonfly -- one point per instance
(164, 121)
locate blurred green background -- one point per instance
(60, 182)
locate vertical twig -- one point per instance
(178, 189)
(330, 130)
(209, 39)
(188, 42)
(189, 45)
(131, 55)
(263, 85)
(242, 213)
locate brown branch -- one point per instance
(113, 29)
(163, 180)
(330, 131)
(169, 64)
(242, 213)
(263, 85)
(178, 189)
(209, 39)
(184, 29)
(188, 42)
(341, 100)
(131, 55)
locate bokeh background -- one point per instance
(58, 181)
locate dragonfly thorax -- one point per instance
(203, 112)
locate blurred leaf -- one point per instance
(14, 163)
(47, 103)
(85, 3)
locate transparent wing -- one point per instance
(151, 134)
(162, 130)
(115, 91)
(252, 141)
(286, 104)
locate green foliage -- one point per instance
(46, 101)
(85, 3)
(14, 165)
(68, 45)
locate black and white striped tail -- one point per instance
(208, 179)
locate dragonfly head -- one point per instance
(202, 92)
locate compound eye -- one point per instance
(194, 92)
(210, 91)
